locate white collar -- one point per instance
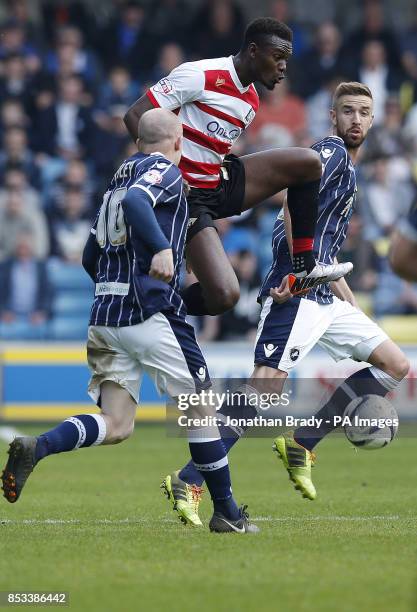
(235, 77)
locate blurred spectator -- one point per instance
(171, 56)
(12, 115)
(410, 127)
(16, 219)
(13, 42)
(315, 66)
(26, 291)
(111, 135)
(217, 29)
(372, 29)
(317, 110)
(23, 12)
(408, 44)
(118, 89)
(375, 72)
(281, 107)
(241, 322)
(282, 10)
(75, 178)
(362, 254)
(385, 199)
(390, 137)
(15, 82)
(15, 180)
(126, 41)
(70, 226)
(169, 21)
(392, 295)
(59, 13)
(66, 128)
(70, 57)
(16, 153)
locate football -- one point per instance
(370, 422)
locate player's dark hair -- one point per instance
(351, 88)
(264, 27)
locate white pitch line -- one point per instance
(266, 519)
(8, 434)
(326, 518)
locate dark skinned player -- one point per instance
(216, 100)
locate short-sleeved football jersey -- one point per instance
(214, 108)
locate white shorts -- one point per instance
(287, 332)
(164, 347)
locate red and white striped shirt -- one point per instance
(214, 108)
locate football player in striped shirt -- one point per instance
(137, 323)
(403, 253)
(290, 327)
(216, 101)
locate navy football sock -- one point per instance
(370, 380)
(229, 435)
(76, 432)
(210, 459)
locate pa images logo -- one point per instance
(294, 354)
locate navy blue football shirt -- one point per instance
(336, 201)
(125, 294)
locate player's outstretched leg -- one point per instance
(114, 425)
(210, 460)
(298, 462)
(185, 498)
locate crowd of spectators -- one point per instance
(66, 80)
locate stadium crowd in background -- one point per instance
(66, 80)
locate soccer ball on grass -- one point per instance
(372, 422)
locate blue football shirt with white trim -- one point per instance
(336, 204)
(125, 293)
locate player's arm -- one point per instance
(403, 251)
(90, 255)
(183, 84)
(134, 113)
(139, 214)
(342, 290)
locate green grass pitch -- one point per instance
(94, 523)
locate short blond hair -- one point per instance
(351, 88)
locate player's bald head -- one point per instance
(158, 125)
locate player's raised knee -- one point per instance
(311, 162)
(225, 298)
(400, 367)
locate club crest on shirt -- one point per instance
(326, 152)
(152, 176)
(164, 86)
(220, 81)
(294, 354)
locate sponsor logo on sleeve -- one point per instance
(269, 349)
(201, 374)
(164, 86)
